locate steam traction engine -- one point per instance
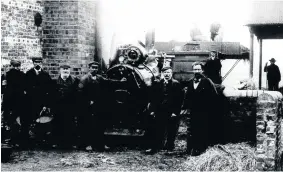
(129, 101)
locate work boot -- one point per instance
(150, 151)
(88, 148)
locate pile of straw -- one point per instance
(230, 157)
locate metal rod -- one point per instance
(251, 54)
(260, 64)
(223, 78)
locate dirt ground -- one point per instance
(122, 158)
(119, 159)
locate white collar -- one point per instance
(37, 71)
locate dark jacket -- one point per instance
(212, 69)
(202, 96)
(40, 88)
(14, 92)
(273, 73)
(66, 91)
(203, 118)
(96, 90)
(166, 99)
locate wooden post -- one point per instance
(260, 63)
(251, 54)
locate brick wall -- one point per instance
(86, 34)
(239, 119)
(266, 106)
(68, 35)
(20, 37)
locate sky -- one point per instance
(128, 21)
(173, 19)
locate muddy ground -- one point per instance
(122, 157)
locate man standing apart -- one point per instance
(40, 89)
(65, 109)
(273, 75)
(212, 68)
(166, 101)
(200, 100)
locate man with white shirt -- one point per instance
(165, 105)
(200, 101)
(39, 91)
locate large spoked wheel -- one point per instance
(129, 101)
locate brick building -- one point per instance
(65, 35)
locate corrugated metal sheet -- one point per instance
(266, 12)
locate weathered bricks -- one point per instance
(268, 121)
(66, 26)
(66, 35)
(20, 37)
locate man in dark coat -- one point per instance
(65, 108)
(14, 98)
(200, 101)
(212, 68)
(166, 101)
(40, 90)
(273, 75)
(92, 122)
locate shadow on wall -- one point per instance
(239, 119)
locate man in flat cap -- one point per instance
(212, 68)
(93, 91)
(65, 108)
(40, 89)
(200, 100)
(273, 75)
(165, 105)
(14, 98)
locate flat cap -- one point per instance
(65, 66)
(15, 62)
(36, 59)
(166, 68)
(93, 63)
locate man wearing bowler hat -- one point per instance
(92, 121)
(165, 106)
(40, 89)
(14, 98)
(65, 108)
(273, 75)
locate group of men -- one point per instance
(75, 106)
(80, 116)
(199, 97)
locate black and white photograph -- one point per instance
(141, 85)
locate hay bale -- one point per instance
(230, 157)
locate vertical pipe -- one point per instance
(260, 63)
(98, 36)
(150, 39)
(251, 54)
(97, 33)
